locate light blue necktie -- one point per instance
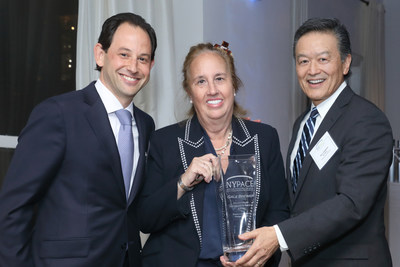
(125, 146)
(308, 131)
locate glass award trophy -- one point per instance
(237, 179)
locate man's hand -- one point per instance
(264, 246)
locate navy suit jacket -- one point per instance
(337, 212)
(63, 200)
(176, 226)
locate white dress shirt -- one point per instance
(112, 104)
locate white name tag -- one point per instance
(323, 150)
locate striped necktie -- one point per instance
(308, 131)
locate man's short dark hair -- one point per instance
(111, 25)
(326, 25)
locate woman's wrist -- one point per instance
(183, 186)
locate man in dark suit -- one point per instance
(338, 186)
(64, 201)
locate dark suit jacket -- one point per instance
(67, 167)
(337, 212)
(176, 226)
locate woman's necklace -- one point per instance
(223, 148)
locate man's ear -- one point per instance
(346, 64)
(99, 54)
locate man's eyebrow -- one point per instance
(318, 54)
(145, 55)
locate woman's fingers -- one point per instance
(201, 168)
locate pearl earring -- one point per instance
(190, 101)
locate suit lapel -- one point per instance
(334, 113)
(97, 118)
(243, 144)
(192, 145)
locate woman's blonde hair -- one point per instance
(226, 55)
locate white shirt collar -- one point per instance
(109, 100)
(324, 106)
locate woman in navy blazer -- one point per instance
(173, 204)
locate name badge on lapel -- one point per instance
(323, 150)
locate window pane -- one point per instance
(38, 56)
(5, 159)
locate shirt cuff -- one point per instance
(281, 239)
